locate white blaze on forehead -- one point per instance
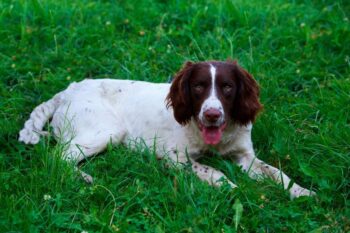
(213, 73)
(212, 102)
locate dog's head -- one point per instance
(214, 94)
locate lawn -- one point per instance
(298, 51)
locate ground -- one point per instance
(297, 50)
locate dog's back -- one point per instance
(104, 109)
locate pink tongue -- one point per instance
(211, 135)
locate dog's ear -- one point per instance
(179, 97)
(246, 104)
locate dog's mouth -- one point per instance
(211, 134)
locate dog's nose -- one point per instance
(212, 115)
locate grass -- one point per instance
(297, 50)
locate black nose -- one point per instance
(212, 115)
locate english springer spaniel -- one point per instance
(209, 105)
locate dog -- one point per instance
(209, 105)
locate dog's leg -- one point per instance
(76, 153)
(257, 168)
(88, 144)
(211, 175)
(205, 173)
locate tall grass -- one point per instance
(297, 50)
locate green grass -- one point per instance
(299, 51)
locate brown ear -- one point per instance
(246, 105)
(179, 97)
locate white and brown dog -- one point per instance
(208, 105)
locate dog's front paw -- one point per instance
(223, 181)
(232, 185)
(87, 178)
(298, 191)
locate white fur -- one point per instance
(212, 102)
(90, 114)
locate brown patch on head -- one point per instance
(200, 86)
(188, 91)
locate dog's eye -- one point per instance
(198, 88)
(227, 89)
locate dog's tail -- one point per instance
(32, 130)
